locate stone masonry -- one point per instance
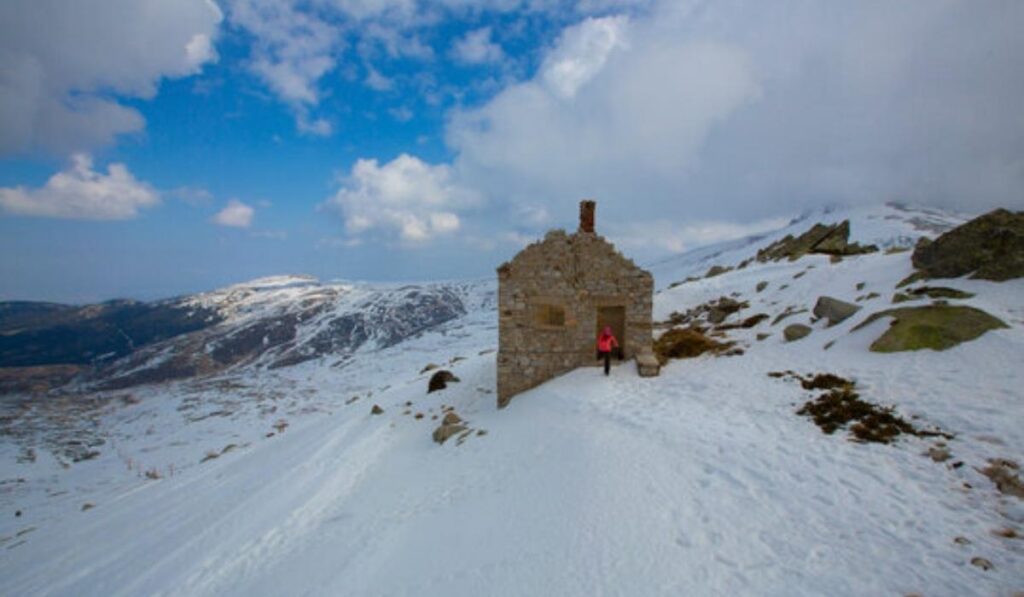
(551, 297)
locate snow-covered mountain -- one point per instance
(267, 323)
(269, 475)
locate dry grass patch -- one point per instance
(840, 407)
(1003, 473)
(685, 343)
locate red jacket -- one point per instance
(607, 342)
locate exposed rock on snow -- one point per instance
(717, 270)
(989, 247)
(935, 292)
(440, 380)
(834, 310)
(796, 331)
(450, 426)
(936, 327)
(821, 239)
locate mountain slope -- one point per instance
(701, 481)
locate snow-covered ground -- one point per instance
(700, 481)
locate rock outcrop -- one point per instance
(821, 239)
(989, 247)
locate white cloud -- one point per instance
(395, 10)
(476, 47)
(405, 197)
(659, 236)
(64, 64)
(235, 215)
(318, 127)
(602, 118)
(744, 111)
(581, 52)
(292, 49)
(82, 193)
(377, 81)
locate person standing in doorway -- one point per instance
(606, 343)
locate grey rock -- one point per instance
(834, 310)
(796, 331)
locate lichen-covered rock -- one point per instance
(796, 331)
(936, 327)
(989, 247)
(834, 310)
(935, 292)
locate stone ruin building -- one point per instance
(556, 295)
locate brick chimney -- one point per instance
(587, 208)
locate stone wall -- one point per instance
(574, 274)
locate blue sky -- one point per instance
(150, 148)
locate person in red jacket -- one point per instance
(606, 343)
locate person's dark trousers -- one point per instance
(607, 356)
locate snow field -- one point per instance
(701, 481)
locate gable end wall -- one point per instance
(578, 272)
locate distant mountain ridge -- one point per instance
(269, 322)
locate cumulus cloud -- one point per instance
(744, 111)
(235, 215)
(581, 53)
(82, 193)
(291, 49)
(405, 197)
(603, 117)
(476, 47)
(64, 64)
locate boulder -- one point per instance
(442, 433)
(440, 380)
(376, 410)
(796, 331)
(761, 286)
(718, 312)
(834, 310)
(936, 327)
(450, 418)
(989, 247)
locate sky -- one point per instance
(151, 148)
